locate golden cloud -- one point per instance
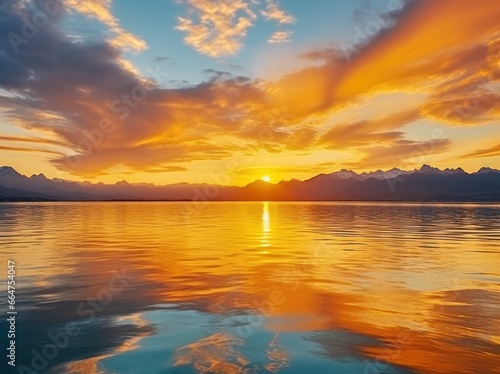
(401, 152)
(368, 132)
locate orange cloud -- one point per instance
(301, 138)
(468, 98)
(470, 108)
(400, 152)
(367, 132)
(161, 169)
(487, 152)
(408, 57)
(413, 49)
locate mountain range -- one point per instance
(424, 184)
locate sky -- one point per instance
(229, 91)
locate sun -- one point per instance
(266, 179)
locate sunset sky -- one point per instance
(174, 91)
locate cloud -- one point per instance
(275, 13)
(161, 169)
(217, 74)
(26, 149)
(280, 37)
(406, 58)
(101, 10)
(368, 132)
(301, 138)
(218, 28)
(492, 151)
(24, 139)
(162, 59)
(468, 109)
(381, 141)
(400, 152)
(469, 96)
(231, 66)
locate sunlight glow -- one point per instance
(266, 179)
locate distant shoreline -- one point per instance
(36, 200)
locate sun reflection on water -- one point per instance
(266, 226)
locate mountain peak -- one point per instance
(427, 169)
(9, 171)
(258, 182)
(485, 170)
(39, 176)
(344, 174)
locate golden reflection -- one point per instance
(373, 275)
(265, 217)
(266, 226)
(88, 366)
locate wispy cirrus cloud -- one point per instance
(27, 149)
(25, 139)
(486, 152)
(101, 10)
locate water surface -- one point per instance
(255, 287)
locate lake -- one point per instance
(230, 287)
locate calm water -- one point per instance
(254, 287)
